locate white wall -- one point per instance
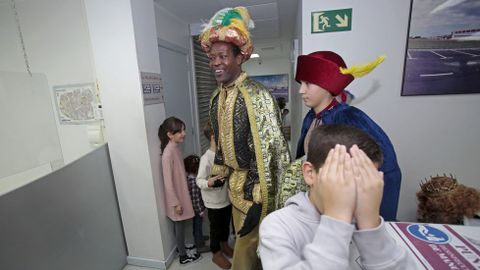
(431, 134)
(174, 30)
(120, 39)
(171, 28)
(269, 66)
(296, 100)
(132, 127)
(58, 45)
(119, 58)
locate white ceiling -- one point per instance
(274, 20)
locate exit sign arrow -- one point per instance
(331, 20)
(342, 22)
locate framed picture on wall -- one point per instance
(77, 104)
(277, 84)
(443, 48)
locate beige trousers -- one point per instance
(245, 252)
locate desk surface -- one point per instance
(439, 246)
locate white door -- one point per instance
(175, 69)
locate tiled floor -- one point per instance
(205, 263)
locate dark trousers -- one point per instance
(219, 226)
(198, 231)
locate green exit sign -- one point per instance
(332, 20)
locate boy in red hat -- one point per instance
(324, 76)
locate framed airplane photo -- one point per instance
(443, 48)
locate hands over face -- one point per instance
(350, 185)
(335, 186)
(369, 182)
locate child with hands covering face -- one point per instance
(347, 186)
(336, 224)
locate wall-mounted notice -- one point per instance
(76, 103)
(152, 88)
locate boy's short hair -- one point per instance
(208, 130)
(325, 137)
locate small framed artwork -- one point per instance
(77, 104)
(277, 84)
(443, 48)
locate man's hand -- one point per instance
(178, 210)
(251, 220)
(369, 182)
(335, 187)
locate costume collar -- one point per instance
(331, 105)
(237, 81)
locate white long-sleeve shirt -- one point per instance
(214, 198)
(299, 237)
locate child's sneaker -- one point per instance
(189, 246)
(189, 258)
(196, 256)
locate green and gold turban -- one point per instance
(229, 25)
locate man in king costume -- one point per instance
(252, 151)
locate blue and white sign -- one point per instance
(428, 234)
(152, 88)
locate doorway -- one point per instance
(176, 77)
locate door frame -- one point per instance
(193, 92)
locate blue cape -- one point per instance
(348, 115)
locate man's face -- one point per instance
(225, 65)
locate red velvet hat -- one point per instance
(323, 69)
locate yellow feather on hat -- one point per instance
(362, 70)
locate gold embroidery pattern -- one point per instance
(257, 194)
(220, 170)
(236, 182)
(227, 99)
(258, 151)
(226, 131)
(292, 183)
(271, 150)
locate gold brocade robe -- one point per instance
(251, 149)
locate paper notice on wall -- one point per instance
(152, 88)
(438, 246)
(76, 103)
